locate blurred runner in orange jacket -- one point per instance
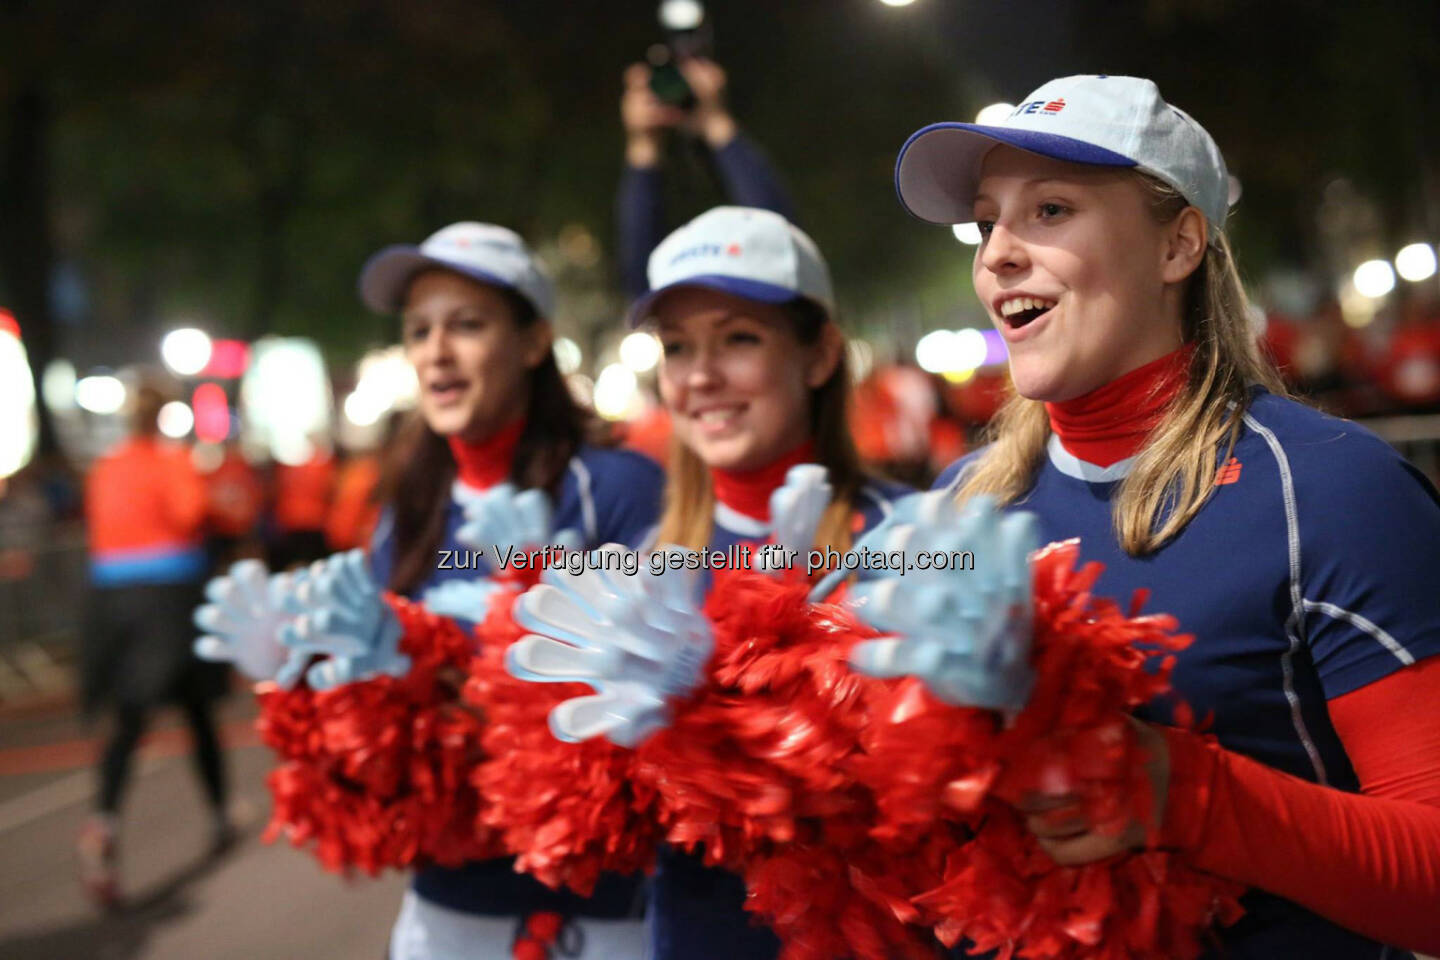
(145, 506)
(355, 511)
(302, 504)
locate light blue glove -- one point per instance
(965, 633)
(462, 599)
(502, 516)
(795, 512)
(243, 619)
(638, 641)
(495, 519)
(342, 614)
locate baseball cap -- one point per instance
(745, 251)
(1101, 120)
(481, 251)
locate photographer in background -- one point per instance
(745, 175)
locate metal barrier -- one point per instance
(40, 617)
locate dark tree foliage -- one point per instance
(232, 164)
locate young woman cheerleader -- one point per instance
(1301, 551)
(493, 408)
(755, 379)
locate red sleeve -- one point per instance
(1370, 862)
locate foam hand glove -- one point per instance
(343, 615)
(965, 633)
(504, 517)
(638, 641)
(795, 512)
(461, 599)
(242, 621)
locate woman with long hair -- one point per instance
(493, 408)
(1301, 551)
(754, 377)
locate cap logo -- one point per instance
(734, 249)
(702, 250)
(1040, 106)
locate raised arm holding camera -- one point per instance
(687, 95)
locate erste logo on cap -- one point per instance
(482, 251)
(744, 251)
(1098, 120)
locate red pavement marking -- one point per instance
(75, 754)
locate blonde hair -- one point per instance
(1173, 474)
(688, 519)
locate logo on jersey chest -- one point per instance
(1229, 473)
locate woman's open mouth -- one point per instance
(446, 392)
(1019, 311)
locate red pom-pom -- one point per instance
(1000, 889)
(756, 774)
(376, 773)
(568, 811)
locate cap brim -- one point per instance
(938, 170)
(387, 275)
(748, 289)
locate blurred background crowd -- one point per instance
(188, 191)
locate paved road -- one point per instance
(257, 901)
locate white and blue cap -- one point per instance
(481, 251)
(745, 251)
(1100, 120)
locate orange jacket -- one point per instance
(236, 497)
(144, 495)
(353, 516)
(302, 494)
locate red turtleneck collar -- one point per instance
(1111, 422)
(487, 463)
(748, 491)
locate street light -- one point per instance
(568, 355)
(615, 391)
(1374, 278)
(640, 351)
(186, 351)
(102, 394)
(897, 3)
(970, 349)
(176, 420)
(1416, 262)
(18, 426)
(968, 233)
(935, 353)
(681, 15)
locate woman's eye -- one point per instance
(469, 324)
(985, 226)
(416, 333)
(743, 336)
(672, 348)
(1052, 209)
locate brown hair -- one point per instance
(688, 517)
(1174, 472)
(420, 469)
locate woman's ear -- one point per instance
(1185, 239)
(539, 341)
(825, 356)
